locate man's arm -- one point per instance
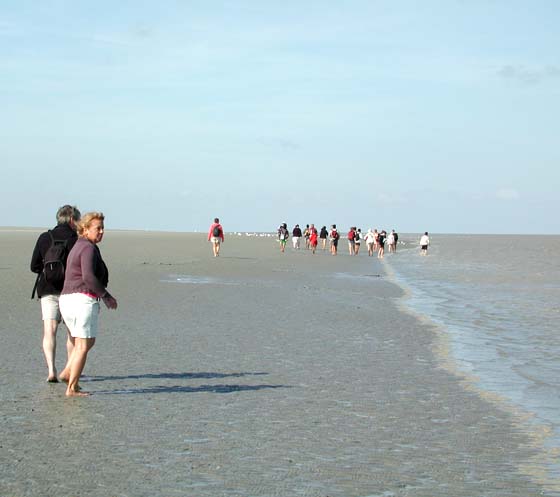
(36, 265)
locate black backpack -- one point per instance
(216, 232)
(54, 263)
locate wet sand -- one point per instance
(253, 374)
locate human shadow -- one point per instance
(185, 389)
(239, 258)
(170, 376)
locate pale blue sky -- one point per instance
(435, 115)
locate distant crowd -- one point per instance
(375, 240)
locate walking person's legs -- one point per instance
(50, 327)
(77, 362)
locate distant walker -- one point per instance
(216, 236)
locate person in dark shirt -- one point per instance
(48, 293)
(323, 235)
(283, 235)
(306, 235)
(296, 236)
(381, 244)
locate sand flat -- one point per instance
(253, 374)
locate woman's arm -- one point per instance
(88, 263)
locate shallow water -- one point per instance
(498, 297)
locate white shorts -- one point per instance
(215, 239)
(81, 314)
(50, 308)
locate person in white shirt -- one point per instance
(424, 243)
(391, 241)
(370, 241)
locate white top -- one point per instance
(369, 237)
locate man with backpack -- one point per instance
(49, 262)
(334, 236)
(216, 236)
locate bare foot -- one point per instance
(64, 376)
(78, 388)
(74, 393)
(52, 379)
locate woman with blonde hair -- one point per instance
(85, 285)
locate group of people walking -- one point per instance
(71, 282)
(310, 235)
(72, 277)
(374, 239)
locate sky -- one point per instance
(438, 116)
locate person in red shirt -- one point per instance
(351, 240)
(313, 236)
(216, 236)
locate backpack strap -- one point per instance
(35, 286)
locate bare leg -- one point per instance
(81, 348)
(216, 249)
(65, 373)
(49, 347)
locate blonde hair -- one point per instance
(85, 222)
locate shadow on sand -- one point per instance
(169, 376)
(222, 388)
(186, 389)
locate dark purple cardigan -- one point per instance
(85, 270)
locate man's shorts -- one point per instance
(81, 314)
(50, 308)
(215, 239)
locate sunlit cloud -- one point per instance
(280, 143)
(528, 75)
(507, 194)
